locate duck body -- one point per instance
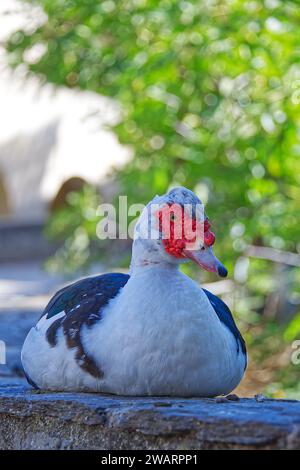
(156, 333)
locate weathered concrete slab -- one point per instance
(30, 420)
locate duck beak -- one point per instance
(207, 260)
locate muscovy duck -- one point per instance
(153, 332)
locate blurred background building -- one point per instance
(52, 141)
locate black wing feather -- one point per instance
(225, 316)
(82, 303)
(103, 288)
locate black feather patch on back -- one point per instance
(82, 303)
(225, 316)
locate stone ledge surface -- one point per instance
(31, 420)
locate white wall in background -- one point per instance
(49, 135)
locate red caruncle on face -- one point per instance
(180, 231)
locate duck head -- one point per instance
(173, 229)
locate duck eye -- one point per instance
(172, 217)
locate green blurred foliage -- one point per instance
(210, 96)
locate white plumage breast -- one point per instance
(161, 336)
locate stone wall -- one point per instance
(31, 420)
